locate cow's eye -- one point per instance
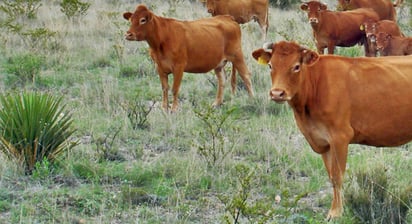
(270, 66)
(296, 68)
(142, 21)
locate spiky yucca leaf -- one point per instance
(33, 126)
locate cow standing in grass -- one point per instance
(243, 11)
(332, 29)
(190, 46)
(339, 101)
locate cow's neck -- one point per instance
(305, 99)
(156, 38)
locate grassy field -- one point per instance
(245, 162)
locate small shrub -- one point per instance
(240, 205)
(24, 67)
(34, 126)
(73, 8)
(18, 8)
(214, 143)
(284, 4)
(105, 149)
(138, 112)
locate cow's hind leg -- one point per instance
(220, 86)
(233, 81)
(244, 73)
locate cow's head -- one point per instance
(287, 62)
(382, 40)
(314, 9)
(211, 7)
(370, 29)
(139, 20)
(344, 5)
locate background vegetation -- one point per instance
(243, 163)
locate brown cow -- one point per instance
(243, 11)
(332, 29)
(372, 28)
(384, 8)
(388, 44)
(339, 101)
(179, 46)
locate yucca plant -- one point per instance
(33, 127)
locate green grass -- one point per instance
(155, 174)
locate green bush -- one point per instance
(24, 68)
(73, 8)
(284, 4)
(18, 8)
(34, 127)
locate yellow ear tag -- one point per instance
(262, 61)
(361, 27)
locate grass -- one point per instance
(158, 175)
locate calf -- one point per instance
(388, 45)
(332, 29)
(339, 101)
(372, 28)
(243, 11)
(189, 46)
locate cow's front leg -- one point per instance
(220, 86)
(177, 80)
(335, 163)
(331, 47)
(165, 89)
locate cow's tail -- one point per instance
(233, 79)
(397, 3)
(267, 19)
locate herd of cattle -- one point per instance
(336, 100)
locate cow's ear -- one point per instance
(262, 56)
(309, 57)
(127, 15)
(304, 6)
(323, 6)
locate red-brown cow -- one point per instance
(243, 11)
(388, 44)
(332, 29)
(179, 46)
(339, 101)
(372, 28)
(384, 8)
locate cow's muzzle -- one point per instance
(129, 36)
(313, 20)
(278, 95)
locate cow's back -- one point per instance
(208, 41)
(384, 8)
(199, 45)
(242, 10)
